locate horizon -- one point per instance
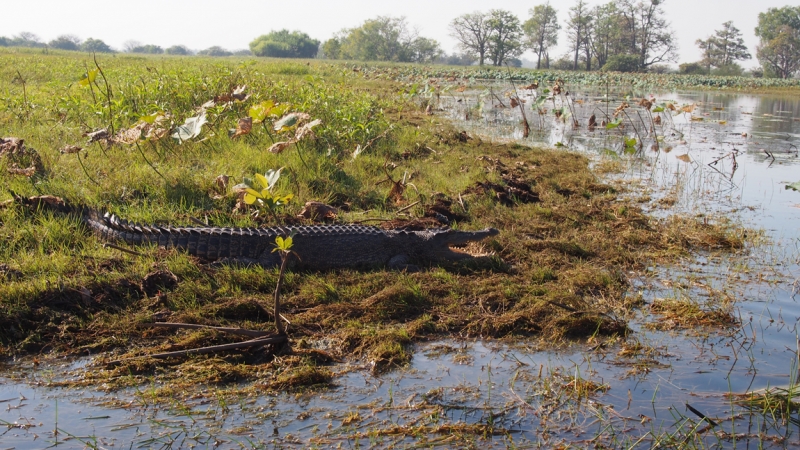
(197, 24)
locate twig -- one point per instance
(238, 331)
(203, 350)
(198, 221)
(116, 247)
(407, 207)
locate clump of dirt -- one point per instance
(157, 281)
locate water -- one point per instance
(738, 160)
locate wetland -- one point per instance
(641, 293)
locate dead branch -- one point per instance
(238, 331)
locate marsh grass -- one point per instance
(555, 273)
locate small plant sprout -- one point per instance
(259, 190)
(284, 246)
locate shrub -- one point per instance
(622, 63)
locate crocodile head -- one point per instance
(444, 244)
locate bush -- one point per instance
(285, 44)
(177, 50)
(622, 63)
(694, 68)
(729, 70)
(214, 51)
(148, 49)
(95, 45)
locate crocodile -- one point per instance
(316, 247)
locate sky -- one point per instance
(199, 24)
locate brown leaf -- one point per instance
(657, 120)
(318, 211)
(71, 149)
(306, 131)
(99, 135)
(688, 108)
(28, 172)
(11, 145)
(133, 134)
(685, 158)
(592, 122)
(396, 193)
(278, 147)
(222, 183)
(244, 126)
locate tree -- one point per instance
(781, 55)
(622, 63)
(27, 39)
(724, 48)
(147, 49)
(472, 33)
(541, 31)
(578, 26)
(382, 39)
(95, 46)
(178, 50)
(129, 45)
(66, 42)
(215, 51)
(606, 33)
(332, 48)
(646, 33)
(285, 44)
(779, 47)
(505, 38)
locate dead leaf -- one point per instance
(305, 131)
(278, 147)
(688, 108)
(222, 183)
(244, 126)
(685, 158)
(70, 149)
(318, 211)
(99, 135)
(28, 172)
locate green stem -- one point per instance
(86, 171)
(149, 163)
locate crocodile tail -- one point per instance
(111, 228)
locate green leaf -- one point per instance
(613, 124)
(794, 186)
(260, 112)
(249, 198)
(286, 122)
(89, 77)
(630, 143)
(283, 244)
(658, 109)
(191, 128)
(151, 119)
(262, 180)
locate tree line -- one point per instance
(71, 42)
(621, 35)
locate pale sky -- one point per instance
(200, 24)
